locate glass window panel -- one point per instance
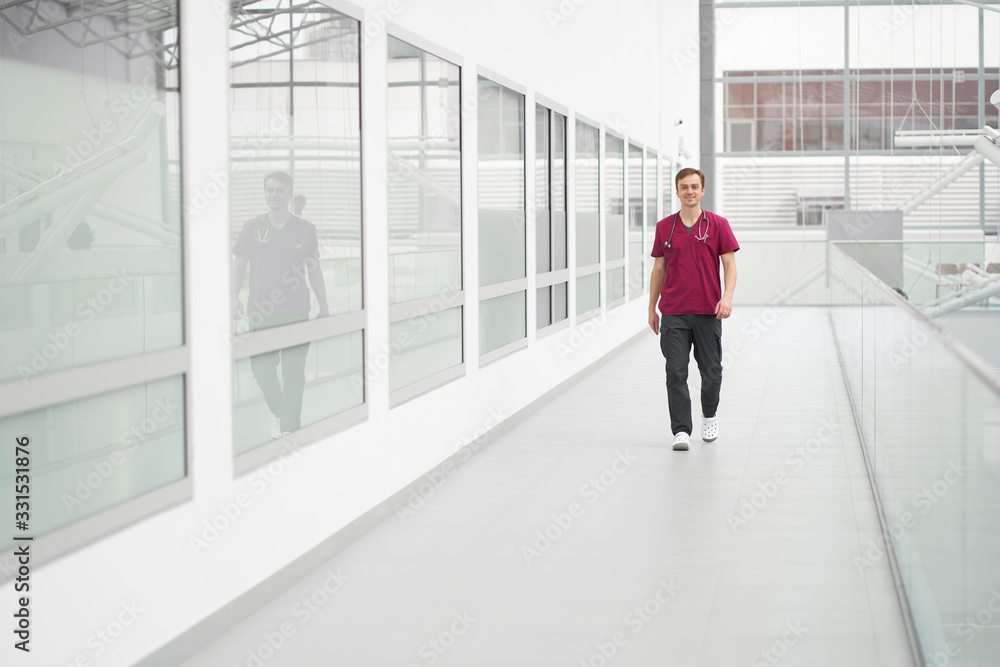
(868, 134)
(559, 232)
(559, 247)
(296, 238)
(558, 162)
(637, 283)
(739, 112)
(501, 184)
(253, 111)
(489, 108)
(588, 293)
(740, 136)
(634, 186)
(614, 243)
(542, 151)
(424, 180)
(543, 307)
(614, 182)
(834, 98)
(789, 128)
(990, 86)
(810, 135)
(587, 239)
(811, 97)
(512, 123)
(94, 453)
(971, 123)
(817, 42)
(771, 111)
(635, 212)
(614, 175)
(834, 135)
(560, 298)
(424, 345)
(913, 36)
(991, 37)
(770, 135)
(615, 287)
(968, 90)
(298, 385)
(501, 147)
(501, 246)
(90, 233)
(770, 94)
(543, 234)
(651, 213)
(791, 94)
(667, 187)
(739, 94)
(429, 272)
(587, 165)
(501, 321)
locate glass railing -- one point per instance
(781, 271)
(928, 411)
(928, 272)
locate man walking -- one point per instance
(688, 247)
(281, 250)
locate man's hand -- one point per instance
(654, 322)
(237, 308)
(323, 311)
(724, 308)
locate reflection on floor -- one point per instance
(580, 538)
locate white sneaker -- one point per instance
(681, 442)
(710, 428)
(275, 428)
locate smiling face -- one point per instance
(690, 191)
(277, 195)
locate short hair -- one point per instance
(688, 171)
(281, 177)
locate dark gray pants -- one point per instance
(677, 333)
(284, 396)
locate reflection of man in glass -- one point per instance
(281, 249)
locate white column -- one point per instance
(571, 214)
(530, 217)
(375, 215)
(207, 256)
(602, 225)
(470, 216)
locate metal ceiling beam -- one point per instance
(291, 31)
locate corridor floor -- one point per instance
(579, 538)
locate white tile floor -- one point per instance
(651, 570)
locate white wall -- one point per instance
(612, 62)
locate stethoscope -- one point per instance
(703, 237)
(267, 231)
(261, 239)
